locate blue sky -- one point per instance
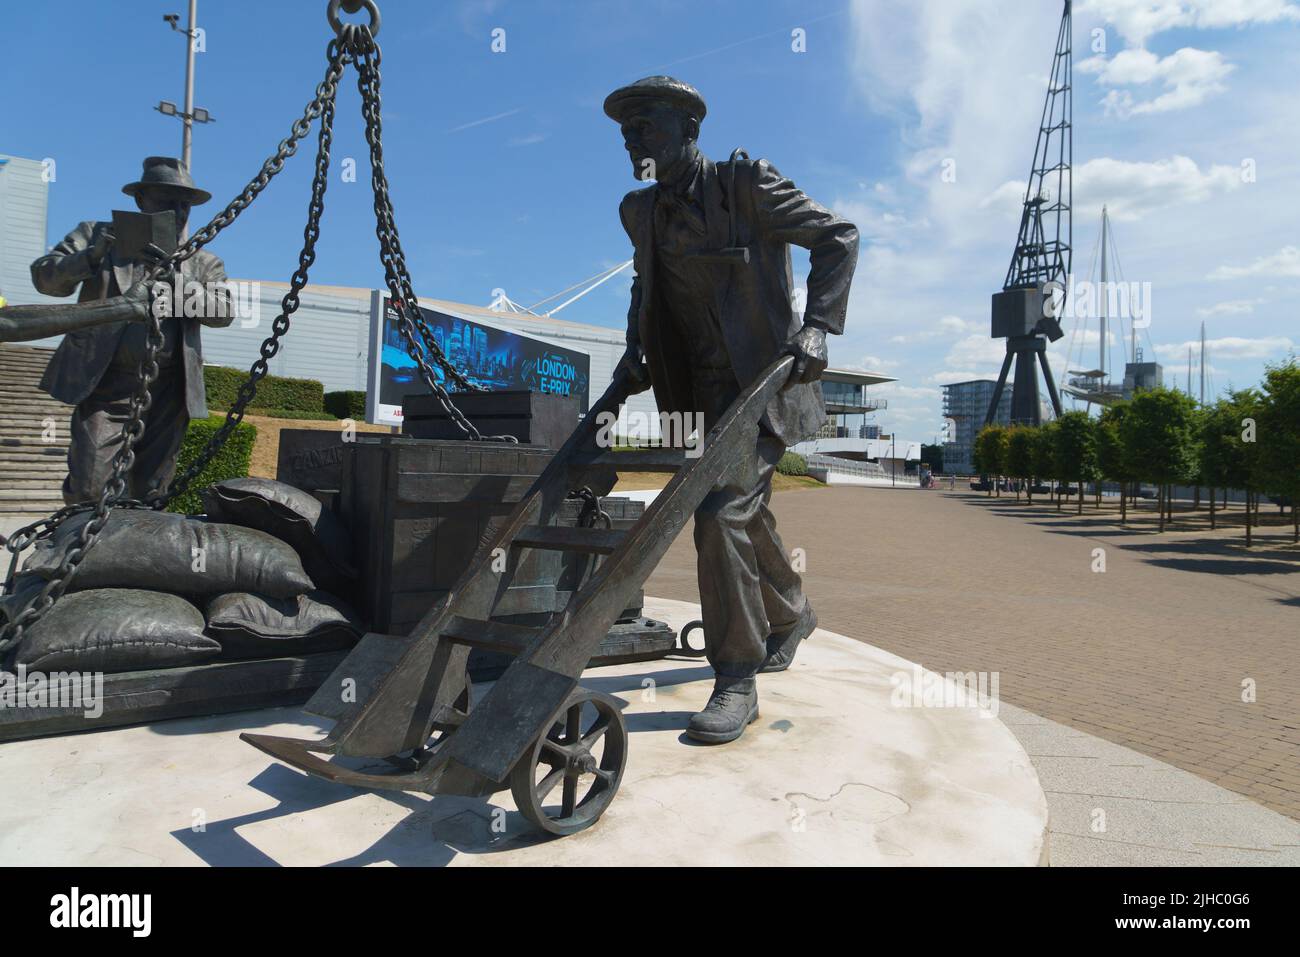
(505, 172)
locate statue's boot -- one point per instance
(781, 647)
(732, 706)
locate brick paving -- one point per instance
(1151, 654)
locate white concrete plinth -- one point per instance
(831, 773)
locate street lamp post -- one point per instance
(189, 114)
(187, 127)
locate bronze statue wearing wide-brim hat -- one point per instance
(169, 172)
(655, 89)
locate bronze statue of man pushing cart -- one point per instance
(711, 308)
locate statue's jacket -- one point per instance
(84, 356)
(755, 307)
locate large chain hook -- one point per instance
(346, 31)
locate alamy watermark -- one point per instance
(191, 299)
(919, 688)
(1083, 299)
(83, 690)
(684, 430)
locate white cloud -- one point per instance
(1134, 189)
(949, 376)
(1233, 307)
(1283, 263)
(530, 139)
(1234, 347)
(1131, 190)
(895, 390)
(874, 364)
(947, 326)
(975, 351)
(1189, 77)
(1136, 20)
(875, 221)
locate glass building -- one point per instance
(848, 405)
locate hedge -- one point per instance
(350, 404)
(231, 461)
(792, 464)
(293, 414)
(273, 391)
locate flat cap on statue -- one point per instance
(170, 172)
(657, 89)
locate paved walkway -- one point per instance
(1184, 649)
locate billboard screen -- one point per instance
(493, 359)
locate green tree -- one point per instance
(1112, 462)
(1278, 437)
(1159, 435)
(989, 452)
(1224, 460)
(1044, 454)
(1020, 457)
(1076, 450)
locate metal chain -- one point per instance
(401, 294)
(321, 106)
(592, 508)
(353, 43)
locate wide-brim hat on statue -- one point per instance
(170, 172)
(655, 89)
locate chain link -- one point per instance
(353, 44)
(321, 107)
(592, 508)
(401, 294)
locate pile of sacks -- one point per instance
(260, 575)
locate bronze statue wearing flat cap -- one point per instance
(711, 309)
(95, 366)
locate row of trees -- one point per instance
(1247, 440)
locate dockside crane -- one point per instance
(1025, 311)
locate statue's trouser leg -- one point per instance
(96, 434)
(747, 586)
(155, 453)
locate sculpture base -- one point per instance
(837, 770)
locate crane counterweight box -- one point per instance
(1017, 312)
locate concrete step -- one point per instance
(13, 376)
(33, 402)
(33, 466)
(10, 390)
(41, 409)
(22, 414)
(25, 495)
(37, 412)
(29, 484)
(20, 440)
(11, 361)
(46, 479)
(35, 509)
(35, 429)
(16, 390)
(18, 453)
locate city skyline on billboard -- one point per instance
(490, 358)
